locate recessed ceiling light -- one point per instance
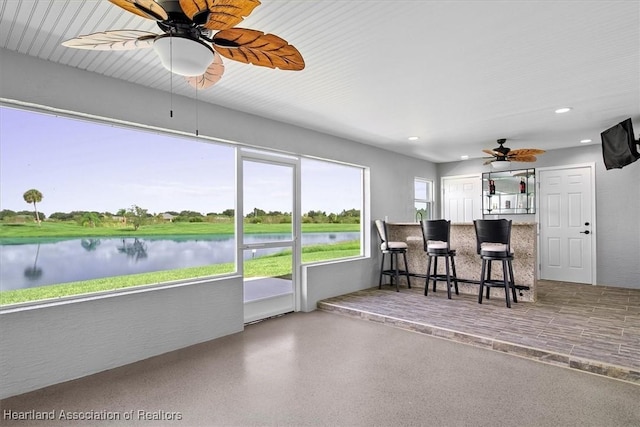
(563, 110)
(585, 141)
(413, 138)
(465, 157)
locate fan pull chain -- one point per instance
(197, 108)
(171, 74)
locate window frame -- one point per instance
(364, 206)
(428, 200)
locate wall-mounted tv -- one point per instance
(619, 147)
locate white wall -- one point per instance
(617, 209)
(335, 278)
(62, 342)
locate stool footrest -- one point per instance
(393, 272)
(440, 277)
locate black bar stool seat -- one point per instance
(394, 249)
(493, 239)
(436, 239)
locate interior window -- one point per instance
(423, 199)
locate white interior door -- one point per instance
(567, 229)
(462, 198)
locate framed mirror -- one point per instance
(509, 192)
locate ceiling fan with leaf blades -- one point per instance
(501, 156)
(196, 33)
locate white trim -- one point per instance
(239, 214)
(429, 202)
(292, 162)
(111, 293)
(365, 214)
(594, 222)
(296, 219)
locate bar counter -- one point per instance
(468, 263)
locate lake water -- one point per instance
(46, 263)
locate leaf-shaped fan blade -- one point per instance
(223, 14)
(113, 40)
(210, 77)
(489, 162)
(526, 152)
(522, 158)
(148, 9)
(491, 152)
(257, 48)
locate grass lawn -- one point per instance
(278, 264)
(19, 232)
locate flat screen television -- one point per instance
(619, 147)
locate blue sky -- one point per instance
(83, 165)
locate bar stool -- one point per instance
(493, 243)
(394, 249)
(435, 235)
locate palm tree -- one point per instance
(33, 196)
(90, 218)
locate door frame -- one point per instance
(594, 222)
(260, 156)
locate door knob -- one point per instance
(585, 232)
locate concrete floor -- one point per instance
(265, 287)
(323, 369)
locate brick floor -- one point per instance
(591, 328)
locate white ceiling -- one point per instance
(457, 74)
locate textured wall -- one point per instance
(60, 342)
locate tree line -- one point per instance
(257, 216)
(137, 216)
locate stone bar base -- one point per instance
(468, 263)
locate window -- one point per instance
(88, 206)
(423, 198)
(116, 207)
(332, 201)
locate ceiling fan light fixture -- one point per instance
(182, 55)
(501, 165)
